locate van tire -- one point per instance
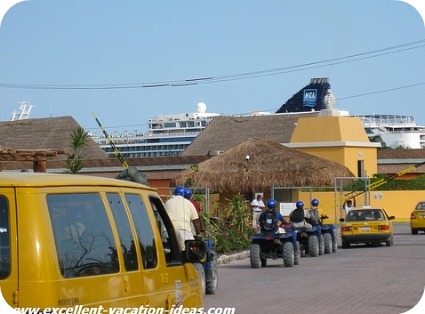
(201, 271)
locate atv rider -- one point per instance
(188, 195)
(315, 218)
(299, 215)
(182, 214)
(271, 220)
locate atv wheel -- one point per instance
(334, 246)
(288, 254)
(212, 277)
(297, 253)
(313, 246)
(255, 256)
(201, 271)
(321, 245)
(327, 238)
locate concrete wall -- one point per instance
(397, 203)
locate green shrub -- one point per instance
(232, 232)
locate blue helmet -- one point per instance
(179, 191)
(271, 204)
(187, 193)
(315, 202)
(300, 205)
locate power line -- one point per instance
(230, 77)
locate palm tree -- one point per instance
(77, 142)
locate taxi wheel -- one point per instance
(390, 242)
(414, 231)
(345, 245)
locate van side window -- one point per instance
(165, 227)
(126, 236)
(84, 242)
(143, 229)
(4, 238)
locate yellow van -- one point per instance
(68, 240)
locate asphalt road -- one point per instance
(359, 279)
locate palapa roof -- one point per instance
(53, 134)
(269, 164)
(225, 132)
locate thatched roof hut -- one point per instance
(51, 134)
(275, 127)
(269, 164)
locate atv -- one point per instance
(208, 270)
(275, 245)
(329, 238)
(311, 240)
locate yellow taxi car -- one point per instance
(367, 225)
(417, 218)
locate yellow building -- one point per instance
(338, 138)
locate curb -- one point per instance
(224, 259)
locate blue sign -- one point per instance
(310, 97)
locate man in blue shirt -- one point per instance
(271, 219)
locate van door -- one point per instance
(181, 281)
(9, 272)
(153, 270)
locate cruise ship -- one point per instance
(394, 131)
(167, 135)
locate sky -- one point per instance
(128, 61)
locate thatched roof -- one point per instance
(224, 132)
(270, 164)
(45, 134)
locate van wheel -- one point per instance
(201, 271)
(212, 280)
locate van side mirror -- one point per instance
(196, 251)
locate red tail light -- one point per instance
(346, 228)
(412, 216)
(383, 227)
